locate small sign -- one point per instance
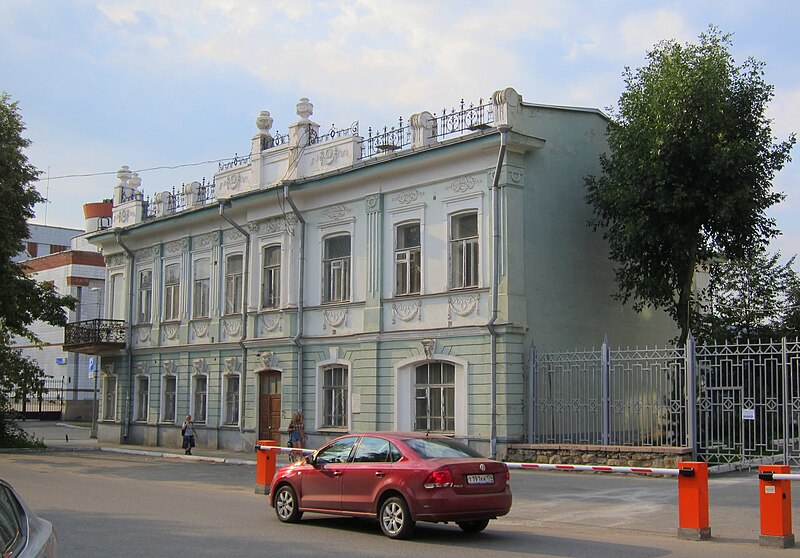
(748, 414)
(91, 375)
(769, 489)
(61, 360)
(91, 364)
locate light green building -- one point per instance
(390, 282)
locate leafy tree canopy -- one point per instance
(688, 174)
(23, 300)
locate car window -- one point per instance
(10, 522)
(373, 450)
(432, 448)
(337, 452)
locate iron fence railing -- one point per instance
(98, 331)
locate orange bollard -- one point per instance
(693, 501)
(265, 466)
(775, 502)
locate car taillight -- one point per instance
(508, 475)
(441, 478)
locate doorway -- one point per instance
(269, 408)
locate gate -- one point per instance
(42, 406)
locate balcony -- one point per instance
(95, 337)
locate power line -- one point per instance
(162, 167)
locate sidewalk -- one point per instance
(59, 436)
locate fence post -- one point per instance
(691, 395)
(775, 504)
(265, 466)
(532, 395)
(605, 383)
(693, 501)
(787, 400)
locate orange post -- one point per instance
(265, 466)
(775, 501)
(693, 501)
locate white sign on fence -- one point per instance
(748, 414)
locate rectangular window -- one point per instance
(233, 285)
(232, 400)
(334, 397)
(145, 302)
(110, 398)
(435, 397)
(464, 251)
(169, 398)
(271, 277)
(336, 269)
(172, 292)
(201, 293)
(200, 398)
(142, 397)
(407, 258)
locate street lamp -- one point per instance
(93, 365)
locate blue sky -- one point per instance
(151, 84)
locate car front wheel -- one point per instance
(473, 526)
(286, 505)
(395, 519)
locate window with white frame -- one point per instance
(435, 397)
(142, 397)
(334, 397)
(172, 292)
(407, 260)
(464, 250)
(145, 299)
(271, 277)
(232, 399)
(233, 284)
(109, 397)
(169, 398)
(336, 269)
(201, 288)
(200, 387)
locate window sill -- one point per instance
(333, 430)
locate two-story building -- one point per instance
(394, 280)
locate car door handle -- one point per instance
(337, 473)
(380, 474)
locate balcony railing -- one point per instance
(96, 336)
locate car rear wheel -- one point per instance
(473, 526)
(395, 519)
(286, 505)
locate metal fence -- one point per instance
(46, 405)
(730, 403)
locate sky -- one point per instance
(154, 84)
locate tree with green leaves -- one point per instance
(688, 173)
(747, 299)
(23, 300)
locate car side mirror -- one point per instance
(311, 460)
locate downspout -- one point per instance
(129, 404)
(297, 340)
(245, 298)
(495, 284)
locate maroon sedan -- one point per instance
(400, 478)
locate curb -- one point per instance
(168, 455)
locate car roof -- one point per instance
(398, 435)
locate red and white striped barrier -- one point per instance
(281, 449)
(603, 468)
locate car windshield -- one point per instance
(432, 448)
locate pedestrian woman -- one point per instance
(188, 432)
(297, 433)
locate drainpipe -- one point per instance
(297, 340)
(495, 284)
(129, 405)
(245, 297)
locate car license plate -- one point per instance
(480, 479)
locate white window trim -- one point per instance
(243, 302)
(281, 270)
(207, 315)
(136, 391)
(161, 404)
(181, 290)
(404, 396)
(139, 294)
(223, 419)
(480, 243)
(318, 409)
(394, 251)
(102, 416)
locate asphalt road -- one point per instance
(109, 504)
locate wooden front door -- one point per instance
(269, 419)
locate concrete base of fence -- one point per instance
(694, 534)
(786, 541)
(579, 454)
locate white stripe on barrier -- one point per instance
(784, 476)
(602, 468)
(286, 450)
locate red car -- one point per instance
(398, 478)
